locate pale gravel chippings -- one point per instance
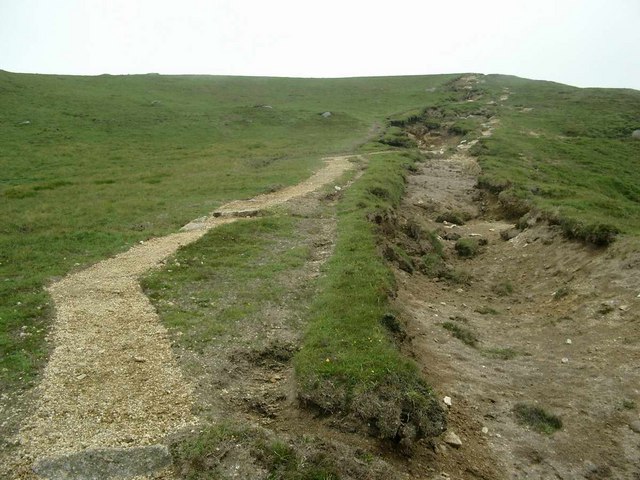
(112, 381)
(335, 167)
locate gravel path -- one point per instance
(112, 389)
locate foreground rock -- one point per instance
(105, 463)
(450, 438)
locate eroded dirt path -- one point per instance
(112, 389)
(556, 324)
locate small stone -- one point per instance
(590, 467)
(565, 360)
(452, 439)
(326, 114)
(441, 448)
(485, 430)
(635, 426)
(624, 308)
(82, 376)
(135, 462)
(447, 401)
(140, 359)
(635, 134)
(568, 341)
(337, 188)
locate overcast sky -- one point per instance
(579, 42)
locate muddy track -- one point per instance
(112, 389)
(553, 324)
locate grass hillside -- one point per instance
(92, 164)
(568, 152)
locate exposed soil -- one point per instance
(247, 380)
(556, 324)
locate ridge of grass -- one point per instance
(568, 154)
(349, 363)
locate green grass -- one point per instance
(570, 156)
(467, 247)
(226, 276)
(537, 418)
(206, 454)
(628, 404)
(564, 152)
(110, 160)
(463, 334)
(348, 359)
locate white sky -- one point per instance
(579, 42)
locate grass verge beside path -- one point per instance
(224, 278)
(349, 363)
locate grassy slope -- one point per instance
(106, 161)
(571, 155)
(349, 363)
(101, 165)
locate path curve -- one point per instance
(112, 388)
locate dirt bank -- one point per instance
(547, 323)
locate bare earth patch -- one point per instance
(557, 328)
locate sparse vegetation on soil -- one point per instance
(537, 418)
(467, 247)
(224, 451)
(548, 312)
(463, 334)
